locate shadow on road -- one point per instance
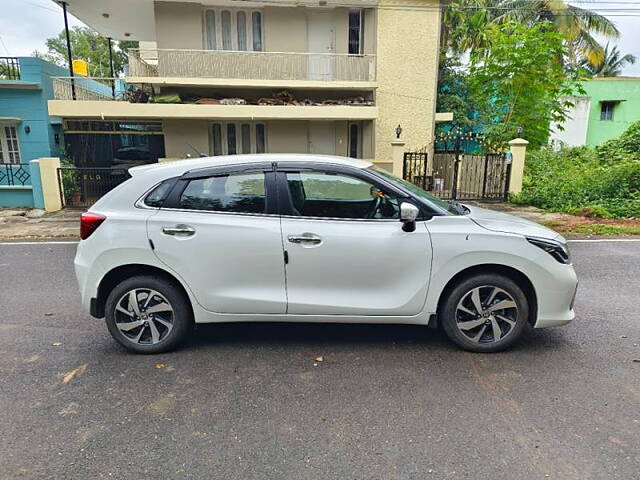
(358, 335)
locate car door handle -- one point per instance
(179, 231)
(304, 239)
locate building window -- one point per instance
(9, 148)
(356, 31)
(606, 110)
(355, 140)
(256, 19)
(216, 138)
(241, 22)
(227, 29)
(210, 28)
(260, 138)
(232, 148)
(230, 138)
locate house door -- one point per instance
(322, 138)
(321, 41)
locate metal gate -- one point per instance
(460, 176)
(82, 187)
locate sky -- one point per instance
(26, 24)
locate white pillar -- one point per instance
(50, 184)
(518, 148)
(397, 157)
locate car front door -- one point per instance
(220, 231)
(347, 252)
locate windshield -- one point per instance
(451, 208)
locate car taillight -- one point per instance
(89, 222)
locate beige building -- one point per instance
(351, 74)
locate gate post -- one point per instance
(397, 157)
(518, 147)
(50, 183)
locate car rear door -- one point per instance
(220, 231)
(344, 258)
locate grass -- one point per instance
(593, 227)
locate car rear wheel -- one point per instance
(148, 315)
(485, 313)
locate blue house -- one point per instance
(27, 131)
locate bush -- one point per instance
(578, 180)
(626, 145)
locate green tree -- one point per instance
(89, 46)
(466, 22)
(519, 84)
(612, 65)
(454, 96)
(577, 25)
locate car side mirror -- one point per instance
(408, 214)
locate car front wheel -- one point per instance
(485, 313)
(148, 315)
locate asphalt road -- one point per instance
(246, 401)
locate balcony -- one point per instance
(82, 97)
(245, 68)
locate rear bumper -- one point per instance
(88, 274)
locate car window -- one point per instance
(330, 195)
(156, 197)
(239, 193)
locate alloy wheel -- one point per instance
(486, 314)
(144, 316)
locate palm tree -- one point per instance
(578, 25)
(612, 64)
(462, 21)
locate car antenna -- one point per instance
(200, 154)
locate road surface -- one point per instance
(245, 401)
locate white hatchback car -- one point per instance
(305, 238)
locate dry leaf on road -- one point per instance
(73, 373)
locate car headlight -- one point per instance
(557, 250)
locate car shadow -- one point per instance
(385, 336)
(309, 334)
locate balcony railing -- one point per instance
(225, 64)
(9, 68)
(83, 88)
(15, 174)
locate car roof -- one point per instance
(178, 167)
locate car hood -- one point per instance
(503, 222)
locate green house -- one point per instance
(609, 106)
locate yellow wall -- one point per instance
(285, 29)
(178, 25)
(179, 133)
(287, 137)
(408, 36)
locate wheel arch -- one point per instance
(514, 274)
(121, 273)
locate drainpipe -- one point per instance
(66, 32)
(113, 80)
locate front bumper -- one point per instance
(556, 299)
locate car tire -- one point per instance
(475, 328)
(148, 325)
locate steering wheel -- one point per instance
(376, 206)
